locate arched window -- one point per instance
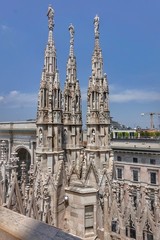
(147, 232)
(24, 156)
(115, 225)
(130, 229)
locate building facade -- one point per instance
(77, 188)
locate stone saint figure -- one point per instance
(96, 25)
(50, 15)
(40, 137)
(93, 136)
(65, 136)
(71, 31)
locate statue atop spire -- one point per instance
(96, 26)
(50, 15)
(71, 31)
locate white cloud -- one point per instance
(134, 95)
(16, 99)
(14, 93)
(118, 95)
(1, 99)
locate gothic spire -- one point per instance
(50, 97)
(71, 75)
(97, 60)
(72, 95)
(72, 114)
(98, 98)
(50, 60)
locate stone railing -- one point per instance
(14, 226)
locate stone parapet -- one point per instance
(14, 226)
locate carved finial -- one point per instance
(96, 25)
(50, 15)
(71, 30)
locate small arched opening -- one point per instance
(24, 156)
(130, 229)
(147, 232)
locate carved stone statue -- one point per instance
(71, 30)
(65, 136)
(96, 25)
(50, 15)
(40, 137)
(93, 136)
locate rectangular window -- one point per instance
(153, 177)
(135, 160)
(89, 218)
(119, 173)
(119, 158)
(135, 175)
(153, 161)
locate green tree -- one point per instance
(126, 135)
(120, 135)
(135, 134)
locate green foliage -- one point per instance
(126, 135)
(135, 134)
(111, 135)
(120, 134)
(157, 134)
(147, 134)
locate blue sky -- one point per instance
(130, 42)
